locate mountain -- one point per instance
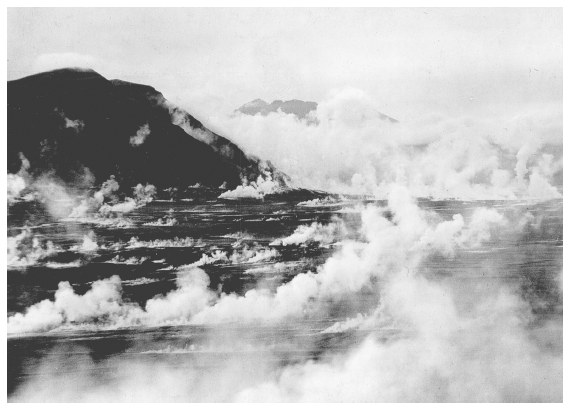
(300, 108)
(75, 124)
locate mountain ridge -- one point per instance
(72, 122)
(299, 108)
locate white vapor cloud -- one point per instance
(478, 96)
(352, 150)
(141, 135)
(412, 61)
(264, 185)
(52, 61)
(448, 348)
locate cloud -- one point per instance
(27, 249)
(52, 61)
(141, 135)
(264, 185)
(352, 151)
(16, 184)
(316, 232)
(76, 125)
(387, 247)
(96, 205)
(453, 341)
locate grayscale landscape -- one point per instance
(284, 205)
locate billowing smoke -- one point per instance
(320, 202)
(264, 185)
(144, 193)
(88, 245)
(57, 197)
(181, 118)
(27, 249)
(316, 232)
(388, 247)
(166, 221)
(141, 135)
(245, 255)
(71, 200)
(348, 149)
(485, 346)
(76, 125)
(451, 339)
(17, 183)
(105, 202)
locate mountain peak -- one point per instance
(297, 107)
(74, 124)
(257, 101)
(62, 74)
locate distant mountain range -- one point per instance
(297, 107)
(300, 108)
(70, 122)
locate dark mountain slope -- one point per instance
(67, 120)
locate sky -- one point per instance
(409, 62)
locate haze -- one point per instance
(474, 62)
